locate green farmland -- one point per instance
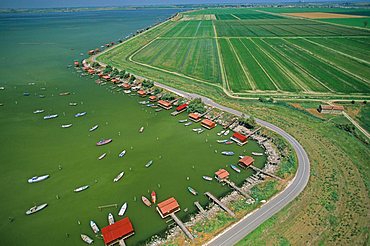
(249, 52)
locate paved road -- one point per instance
(239, 230)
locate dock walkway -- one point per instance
(201, 209)
(233, 185)
(219, 203)
(266, 173)
(182, 226)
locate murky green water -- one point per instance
(37, 49)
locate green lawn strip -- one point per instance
(327, 73)
(234, 72)
(356, 22)
(262, 81)
(340, 60)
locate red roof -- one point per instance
(168, 206)
(194, 116)
(182, 107)
(141, 92)
(152, 98)
(106, 77)
(119, 229)
(222, 174)
(126, 86)
(242, 138)
(246, 160)
(164, 103)
(208, 123)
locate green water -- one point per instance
(37, 48)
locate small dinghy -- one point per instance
(51, 116)
(80, 114)
(226, 132)
(93, 128)
(86, 239)
(82, 188)
(188, 123)
(183, 121)
(149, 163)
(222, 141)
(257, 154)
(110, 219)
(123, 209)
(122, 153)
(235, 168)
(94, 227)
(154, 197)
(119, 176)
(146, 201)
(38, 111)
(207, 178)
(103, 142)
(36, 209)
(66, 126)
(72, 104)
(197, 129)
(192, 191)
(36, 179)
(227, 153)
(141, 129)
(102, 156)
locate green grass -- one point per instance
(356, 22)
(191, 29)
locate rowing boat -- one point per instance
(86, 239)
(149, 163)
(94, 227)
(66, 126)
(93, 128)
(119, 176)
(235, 168)
(122, 153)
(103, 142)
(207, 178)
(102, 156)
(36, 209)
(79, 189)
(123, 209)
(146, 201)
(192, 191)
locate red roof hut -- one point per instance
(76, 63)
(246, 161)
(221, 174)
(120, 230)
(165, 104)
(152, 98)
(195, 117)
(141, 93)
(167, 207)
(239, 138)
(209, 124)
(182, 107)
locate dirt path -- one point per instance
(360, 128)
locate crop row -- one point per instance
(191, 29)
(196, 58)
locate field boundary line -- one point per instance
(300, 67)
(182, 29)
(246, 73)
(196, 32)
(335, 66)
(337, 51)
(236, 17)
(292, 77)
(225, 81)
(360, 128)
(263, 69)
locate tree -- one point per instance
(157, 91)
(168, 97)
(126, 75)
(196, 105)
(132, 78)
(115, 72)
(353, 101)
(108, 69)
(148, 84)
(95, 64)
(122, 73)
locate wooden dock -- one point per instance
(250, 134)
(232, 185)
(182, 226)
(201, 209)
(231, 122)
(174, 113)
(266, 173)
(219, 203)
(107, 206)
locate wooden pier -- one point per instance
(232, 185)
(182, 226)
(219, 203)
(266, 173)
(231, 122)
(250, 134)
(201, 209)
(107, 206)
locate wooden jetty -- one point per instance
(230, 123)
(250, 134)
(201, 209)
(233, 185)
(219, 203)
(107, 206)
(266, 173)
(182, 226)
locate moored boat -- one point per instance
(38, 111)
(158, 110)
(222, 141)
(122, 153)
(188, 123)
(110, 219)
(228, 153)
(64, 93)
(141, 129)
(51, 116)
(72, 104)
(197, 129)
(66, 125)
(257, 154)
(220, 133)
(86, 239)
(226, 132)
(154, 196)
(93, 128)
(192, 191)
(80, 114)
(229, 142)
(26, 94)
(94, 227)
(199, 132)
(183, 121)
(127, 91)
(103, 142)
(149, 163)
(207, 178)
(102, 156)
(146, 201)
(123, 209)
(36, 179)
(235, 168)
(119, 176)
(36, 208)
(79, 189)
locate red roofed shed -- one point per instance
(152, 98)
(167, 207)
(246, 161)
(164, 104)
(209, 124)
(239, 138)
(221, 174)
(141, 93)
(182, 107)
(119, 230)
(195, 117)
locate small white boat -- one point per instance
(127, 91)
(72, 104)
(94, 227)
(222, 141)
(93, 128)
(36, 179)
(188, 124)
(241, 156)
(183, 121)
(122, 153)
(110, 219)
(119, 176)
(149, 163)
(123, 209)
(199, 132)
(36, 209)
(80, 114)
(226, 132)
(220, 133)
(86, 239)
(227, 153)
(79, 189)
(66, 126)
(197, 129)
(207, 178)
(102, 156)
(144, 102)
(257, 154)
(51, 116)
(141, 129)
(38, 111)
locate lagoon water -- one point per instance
(35, 52)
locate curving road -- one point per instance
(239, 230)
